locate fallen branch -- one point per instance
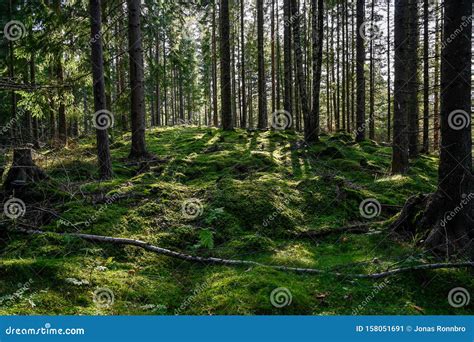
(233, 262)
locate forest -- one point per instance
(236, 157)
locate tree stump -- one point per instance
(23, 170)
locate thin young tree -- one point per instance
(103, 150)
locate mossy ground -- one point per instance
(257, 191)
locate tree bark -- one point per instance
(97, 57)
(138, 149)
(360, 71)
(262, 88)
(400, 127)
(226, 104)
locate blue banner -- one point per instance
(238, 329)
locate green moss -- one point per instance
(256, 191)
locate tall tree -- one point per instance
(136, 80)
(288, 60)
(103, 150)
(262, 87)
(360, 71)
(300, 77)
(455, 171)
(411, 90)
(318, 41)
(62, 125)
(400, 126)
(243, 117)
(226, 93)
(426, 79)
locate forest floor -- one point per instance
(257, 194)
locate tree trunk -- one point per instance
(214, 67)
(103, 150)
(447, 215)
(412, 79)
(300, 78)
(360, 71)
(288, 63)
(426, 80)
(262, 88)
(318, 39)
(226, 104)
(243, 117)
(400, 127)
(23, 171)
(138, 149)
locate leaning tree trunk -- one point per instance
(446, 216)
(23, 171)
(136, 81)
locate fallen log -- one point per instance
(233, 262)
